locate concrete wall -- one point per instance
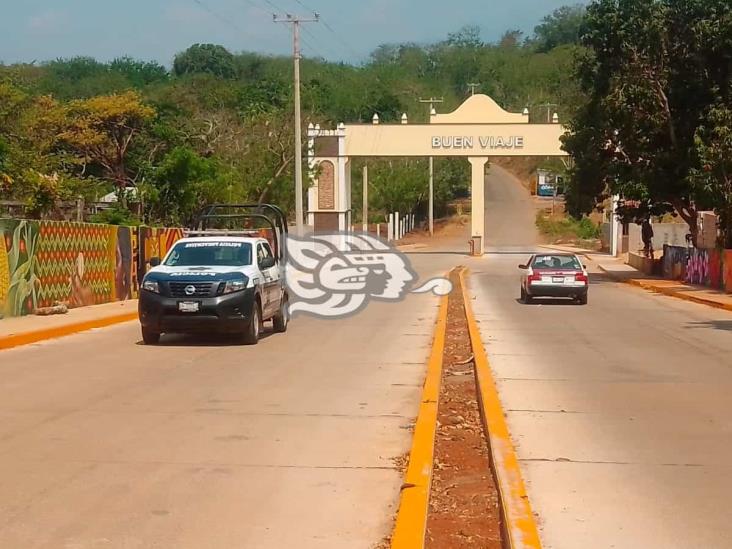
(44, 262)
(643, 264)
(671, 234)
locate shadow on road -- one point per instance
(553, 301)
(204, 340)
(725, 325)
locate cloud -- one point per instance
(48, 21)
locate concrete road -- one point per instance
(201, 444)
(510, 215)
(620, 409)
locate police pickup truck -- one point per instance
(216, 281)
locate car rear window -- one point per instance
(568, 262)
(210, 254)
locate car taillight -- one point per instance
(534, 277)
(581, 277)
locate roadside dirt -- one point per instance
(464, 509)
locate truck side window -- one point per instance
(260, 254)
(267, 250)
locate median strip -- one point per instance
(463, 486)
(520, 528)
(411, 521)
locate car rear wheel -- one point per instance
(582, 300)
(525, 297)
(254, 328)
(282, 318)
(149, 337)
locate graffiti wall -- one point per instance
(697, 267)
(711, 268)
(674, 262)
(47, 262)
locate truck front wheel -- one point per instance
(251, 334)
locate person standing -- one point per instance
(647, 236)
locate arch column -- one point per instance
(477, 202)
(329, 195)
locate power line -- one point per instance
(218, 16)
(329, 28)
(257, 6)
(315, 38)
(275, 6)
(304, 6)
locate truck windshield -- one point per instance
(210, 254)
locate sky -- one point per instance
(41, 30)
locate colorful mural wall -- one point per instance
(711, 268)
(47, 262)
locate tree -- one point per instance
(467, 37)
(652, 72)
(139, 73)
(207, 58)
(178, 186)
(511, 39)
(100, 131)
(713, 178)
(561, 27)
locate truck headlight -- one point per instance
(151, 286)
(235, 286)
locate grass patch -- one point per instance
(566, 227)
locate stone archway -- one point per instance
(477, 130)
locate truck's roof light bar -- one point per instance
(220, 232)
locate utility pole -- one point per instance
(548, 111)
(365, 206)
(472, 86)
(432, 101)
(296, 21)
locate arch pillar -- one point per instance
(477, 202)
(329, 170)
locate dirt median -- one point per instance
(464, 507)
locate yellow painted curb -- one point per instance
(519, 525)
(411, 521)
(679, 294)
(25, 338)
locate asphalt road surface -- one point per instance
(620, 409)
(199, 444)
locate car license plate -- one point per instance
(188, 306)
(558, 279)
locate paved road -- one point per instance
(620, 409)
(510, 216)
(194, 444)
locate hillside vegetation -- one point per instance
(218, 125)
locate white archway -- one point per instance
(477, 130)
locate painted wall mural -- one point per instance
(19, 269)
(674, 262)
(711, 268)
(48, 262)
(76, 263)
(697, 267)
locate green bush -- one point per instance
(567, 227)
